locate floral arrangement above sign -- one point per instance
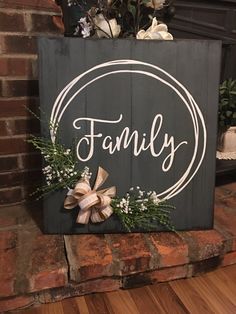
(137, 209)
(117, 18)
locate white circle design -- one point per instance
(194, 111)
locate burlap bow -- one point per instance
(93, 204)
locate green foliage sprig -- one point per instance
(60, 170)
(140, 209)
(227, 104)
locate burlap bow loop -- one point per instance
(93, 204)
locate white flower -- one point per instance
(156, 4)
(153, 197)
(86, 174)
(140, 193)
(105, 28)
(85, 26)
(142, 207)
(67, 152)
(155, 31)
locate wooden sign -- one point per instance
(146, 111)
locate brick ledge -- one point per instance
(37, 268)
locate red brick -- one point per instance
(234, 244)
(19, 88)
(225, 224)
(203, 244)
(7, 273)
(22, 126)
(44, 24)
(229, 202)
(6, 127)
(28, 190)
(205, 266)
(15, 303)
(48, 279)
(19, 126)
(7, 221)
(221, 193)
(20, 178)
(230, 186)
(10, 195)
(31, 161)
(171, 248)
(48, 263)
(18, 107)
(99, 285)
(18, 67)
(44, 5)
(18, 44)
(89, 257)
(8, 163)
(15, 145)
(3, 67)
(9, 20)
(226, 219)
(8, 240)
(229, 259)
(20, 215)
(132, 252)
(137, 280)
(57, 20)
(91, 286)
(170, 273)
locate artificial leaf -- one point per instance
(132, 9)
(228, 113)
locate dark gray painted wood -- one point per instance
(194, 63)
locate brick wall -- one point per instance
(21, 21)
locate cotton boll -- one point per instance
(155, 31)
(104, 27)
(156, 4)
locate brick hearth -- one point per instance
(37, 268)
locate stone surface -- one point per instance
(89, 257)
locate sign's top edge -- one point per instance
(125, 39)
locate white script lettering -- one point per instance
(128, 137)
